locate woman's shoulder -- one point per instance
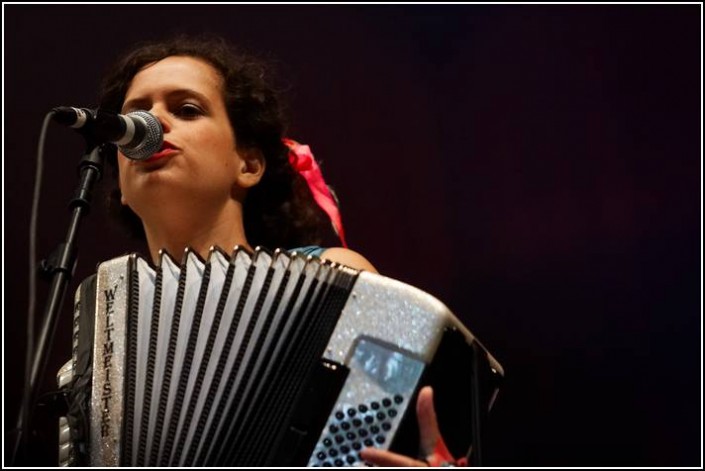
(340, 255)
(348, 257)
(313, 250)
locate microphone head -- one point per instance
(145, 144)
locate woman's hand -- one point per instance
(431, 445)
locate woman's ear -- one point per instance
(252, 166)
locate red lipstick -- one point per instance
(167, 150)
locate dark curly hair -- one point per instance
(280, 210)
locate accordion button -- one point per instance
(369, 419)
(362, 408)
(333, 452)
(357, 422)
(350, 436)
(344, 450)
(356, 446)
(321, 455)
(362, 432)
(350, 459)
(398, 399)
(386, 426)
(368, 442)
(374, 429)
(327, 464)
(381, 416)
(392, 412)
(339, 463)
(333, 428)
(339, 415)
(386, 402)
(374, 405)
(380, 439)
(327, 442)
(345, 426)
(352, 412)
(339, 439)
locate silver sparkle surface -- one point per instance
(395, 313)
(105, 450)
(404, 317)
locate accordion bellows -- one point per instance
(258, 359)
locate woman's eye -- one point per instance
(188, 111)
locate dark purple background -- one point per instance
(537, 168)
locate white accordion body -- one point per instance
(254, 359)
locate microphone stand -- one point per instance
(59, 269)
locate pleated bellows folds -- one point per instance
(217, 353)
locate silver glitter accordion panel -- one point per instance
(254, 359)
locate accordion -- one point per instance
(262, 359)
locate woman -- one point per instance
(192, 192)
(225, 175)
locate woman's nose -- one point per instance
(163, 116)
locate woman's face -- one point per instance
(199, 162)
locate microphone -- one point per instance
(138, 135)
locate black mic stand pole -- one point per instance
(60, 268)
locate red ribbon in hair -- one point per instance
(301, 158)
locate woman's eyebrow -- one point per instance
(135, 104)
(143, 102)
(187, 93)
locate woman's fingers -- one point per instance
(388, 459)
(429, 433)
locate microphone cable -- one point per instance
(25, 415)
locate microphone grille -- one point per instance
(151, 142)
